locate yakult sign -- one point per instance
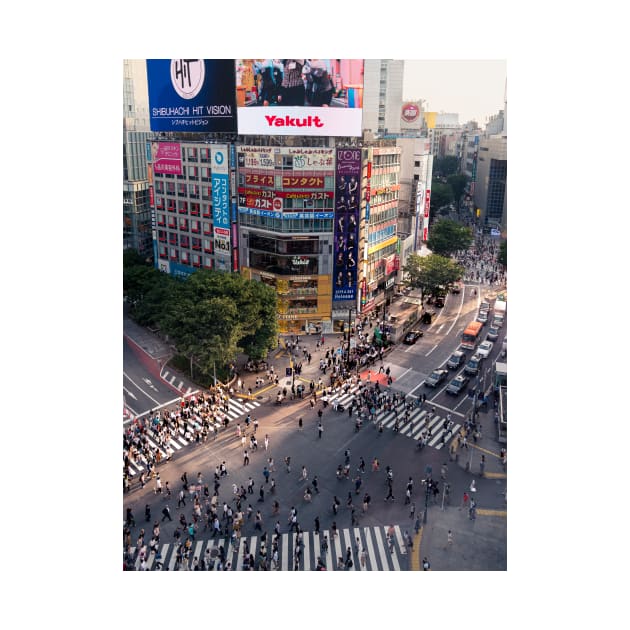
(299, 97)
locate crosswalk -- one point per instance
(374, 551)
(419, 419)
(236, 409)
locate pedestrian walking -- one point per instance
(449, 539)
(181, 500)
(287, 463)
(304, 473)
(147, 513)
(317, 525)
(361, 467)
(166, 513)
(482, 465)
(320, 429)
(363, 557)
(464, 503)
(300, 423)
(473, 488)
(426, 566)
(412, 510)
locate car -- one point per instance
(456, 359)
(412, 336)
(485, 348)
(483, 317)
(439, 301)
(493, 333)
(497, 322)
(457, 385)
(484, 306)
(474, 365)
(435, 378)
(456, 288)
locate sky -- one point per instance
(474, 89)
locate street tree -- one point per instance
(457, 183)
(441, 195)
(447, 165)
(502, 256)
(432, 274)
(447, 237)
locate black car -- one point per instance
(456, 359)
(412, 336)
(436, 377)
(439, 302)
(457, 385)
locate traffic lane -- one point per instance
(139, 399)
(141, 377)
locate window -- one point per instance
(174, 254)
(183, 225)
(192, 154)
(161, 219)
(196, 243)
(206, 192)
(194, 227)
(205, 155)
(192, 172)
(182, 207)
(205, 174)
(206, 210)
(184, 241)
(181, 190)
(193, 190)
(172, 238)
(171, 205)
(207, 245)
(207, 228)
(159, 203)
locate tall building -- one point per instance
(136, 210)
(491, 186)
(382, 95)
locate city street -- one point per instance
(481, 541)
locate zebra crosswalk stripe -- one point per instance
(392, 553)
(381, 549)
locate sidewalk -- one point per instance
(478, 545)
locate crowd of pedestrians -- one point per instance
(480, 262)
(147, 441)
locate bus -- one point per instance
(471, 334)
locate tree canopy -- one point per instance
(502, 256)
(457, 183)
(210, 316)
(447, 237)
(445, 166)
(432, 273)
(441, 195)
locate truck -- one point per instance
(500, 307)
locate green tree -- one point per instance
(432, 273)
(502, 256)
(447, 236)
(441, 195)
(448, 165)
(458, 184)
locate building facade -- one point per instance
(382, 95)
(136, 210)
(490, 195)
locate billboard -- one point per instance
(191, 95)
(346, 229)
(299, 97)
(166, 158)
(220, 187)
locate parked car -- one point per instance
(484, 306)
(485, 348)
(439, 302)
(483, 317)
(436, 377)
(456, 288)
(456, 359)
(493, 333)
(497, 322)
(474, 365)
(457, 385)
(412, 336)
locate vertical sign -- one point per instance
(221, 204)
(346, 231)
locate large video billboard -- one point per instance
(191, 95)
(299, 97)
(346, 230)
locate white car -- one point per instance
(483, 317)
(485, 348)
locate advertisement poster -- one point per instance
(166, 158)
(191, 95)
(306, 97)
(346, 230)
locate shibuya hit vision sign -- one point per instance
(191, 95)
